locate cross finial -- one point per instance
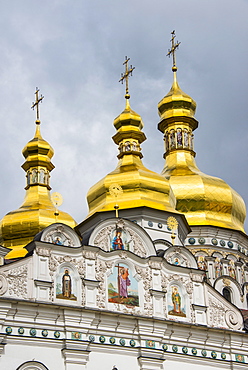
(125, 75)
(173, 50)
(38, 100)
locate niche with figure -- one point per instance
(176, 301)
(66, 284)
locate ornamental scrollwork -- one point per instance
(123, 255)
(89, 255)
(197, 277)
(138, 247)
(233, 321)
(43, 252)
(216, 312)
(17, 279)
(145, 274)
(189, 287)
(3, 284)
(101, 269)
(102, 239)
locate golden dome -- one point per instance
(19, 227)
(131, 184)
(177, 103)
(205, 200)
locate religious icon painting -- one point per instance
(240, 358)
(122, 287)
(75, 335)
(176, 261)
(66, 284)
(176, 303)
(150, 344)
(119, 239)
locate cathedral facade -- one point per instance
(154, 278)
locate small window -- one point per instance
(32, 365)
(227, 294)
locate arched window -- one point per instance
(32, 365)
(227, 294)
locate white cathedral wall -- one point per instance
(17, 354)
(108, 357)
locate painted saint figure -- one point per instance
(179, 137)
(242, 275)
(176, 262)
(231, 269)
(134, 146)
(57, 241)
(201, 263)
(186, 138)
(218, 267)
(117, 241)
(124, 282)
(172, 139)
(166, 139)
(176, 299)
(192, 142)
(42, 177)
(34, 176)
(128, 146)
(66, 284)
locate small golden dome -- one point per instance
(205, 200)
(136, 185)
(18, 228)
(176, 103)
(38, 151)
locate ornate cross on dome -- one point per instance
(124, 76)
(36, 104)
(173, 50)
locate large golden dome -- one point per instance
(18, 228)
(205, 200)
(131, 184)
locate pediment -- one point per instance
(59, 234)
(180, 256)
(121, 234)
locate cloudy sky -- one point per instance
(73, 51)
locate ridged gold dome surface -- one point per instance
(136, 185)
(176, 103)
(205, 200)
(19, 227)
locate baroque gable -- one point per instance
(119, 234)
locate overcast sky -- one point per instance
(73, 51)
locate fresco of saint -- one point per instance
(124, 281)
(179, 137)
(176, 261)
(186, 138)
(172, 139)
(176, 306)
(218, 267)
(231, 269)
(64, 285)
(201, 263)
(122, 287)
(117, 240)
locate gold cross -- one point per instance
(124, 76)
(173, 50)
(36, 104)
